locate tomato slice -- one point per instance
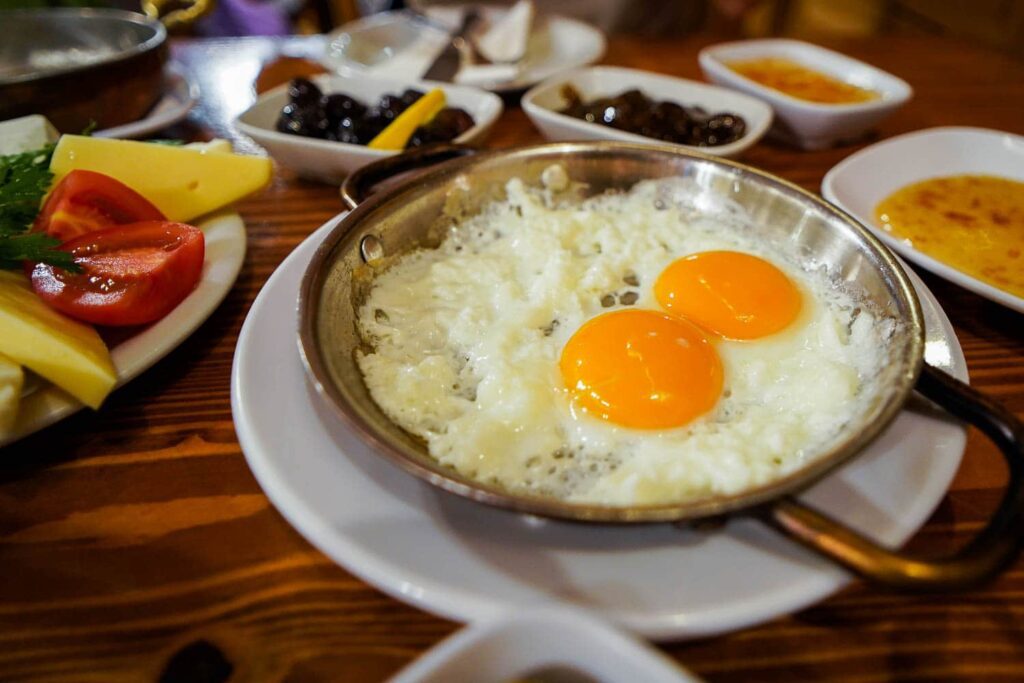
(131, 274)
(86, 201)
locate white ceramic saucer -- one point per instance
(467, 562)
(180, 95)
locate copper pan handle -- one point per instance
(983, 557)
(185, 13)
(358, 184)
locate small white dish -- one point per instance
(862, 180)
(542, 645)
(331, 161)
(402, 45)
(808, 124)
(180, 95)
(468, 562)
(542, 103)
(224, 253)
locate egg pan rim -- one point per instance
(347, 235)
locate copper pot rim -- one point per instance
(425, 468)
(153, 42)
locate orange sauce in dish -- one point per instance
(974, 223)
(798, 81)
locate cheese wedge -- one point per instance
(64, 351)
(182, 182)
(11, 381)
(401, 129)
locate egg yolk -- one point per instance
(735, 295)
(642, 369)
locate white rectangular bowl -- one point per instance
(542, 103)
(809, 125)
(330, 161)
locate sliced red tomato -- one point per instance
(86, 201)
(131, 274)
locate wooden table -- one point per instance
(128, 534)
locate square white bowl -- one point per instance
(551, 644)
(810, 125)
(331, 161)
(542, 103)
(862, 180)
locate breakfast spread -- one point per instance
(634, 112)
(973, 223)
(624, 349)
(797, 80)
(395, 122)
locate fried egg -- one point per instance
(632, 348)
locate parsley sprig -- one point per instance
(24, 181)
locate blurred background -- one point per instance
(995, 23)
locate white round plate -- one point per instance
(860, 181)
(393, 45)
(468, 562)
(225, 251)
(180, 95)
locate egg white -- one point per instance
(466, 340)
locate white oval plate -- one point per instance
(556, 43)
(180, 95)
(467, 562)
(331, 161)
(862, 180)
(225, 251)
(542, 103)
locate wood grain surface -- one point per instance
(135, 545)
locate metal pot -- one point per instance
(80, 67)
(413, 213)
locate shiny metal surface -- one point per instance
(414, 214)
(42, 43)
(80, 67)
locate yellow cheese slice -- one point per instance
(64, 351)
(183, 183)
(11, 381)
(401, 129)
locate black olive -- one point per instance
(339, 106)
(298, 121)
(634, 112)
(410, 96)
(448, 124)
(304, 92)
(390, 106)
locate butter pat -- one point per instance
(182, 182)
(11, 382)
(26, 134)
(64, 351)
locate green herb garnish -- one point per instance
(24, 181)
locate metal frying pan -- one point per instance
(412, 213)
